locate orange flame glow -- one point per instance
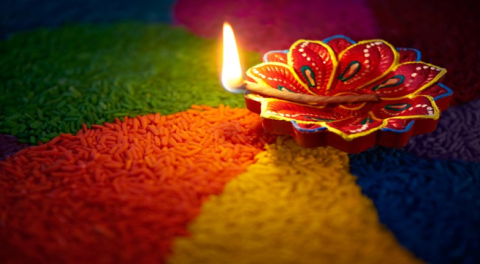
(232, 75)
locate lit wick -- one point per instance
(232, 80)
(307, 98)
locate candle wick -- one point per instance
(307, 98)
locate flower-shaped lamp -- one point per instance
(412, 97)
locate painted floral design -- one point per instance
(408, 87)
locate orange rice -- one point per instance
(120, 193)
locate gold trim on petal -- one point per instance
(289, 68)
(437, 78)
(396, 58)
(333, 57)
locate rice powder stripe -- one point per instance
(294, 205)
(55, 80)
(432, 206)
(119, 193)
(9, 145)
(46, 14)
(456, 137)
(290, 20)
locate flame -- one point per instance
(232, 75)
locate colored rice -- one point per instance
(53, 81)
(104, 72)
(456, 137)
(35, 14)
(119, 193)
(294, 205)
(432, 207)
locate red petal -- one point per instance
(436, 91)
(364, 63)
(355, 125)
(339, 43)
(314, 63)
(408, 54)
(407, 78)
(283, 110)
(275, 56)
(398, 124)
(278, 76)
(308, 127)
(406, 108)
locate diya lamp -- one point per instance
(340, 93)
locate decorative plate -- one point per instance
(412, 97)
